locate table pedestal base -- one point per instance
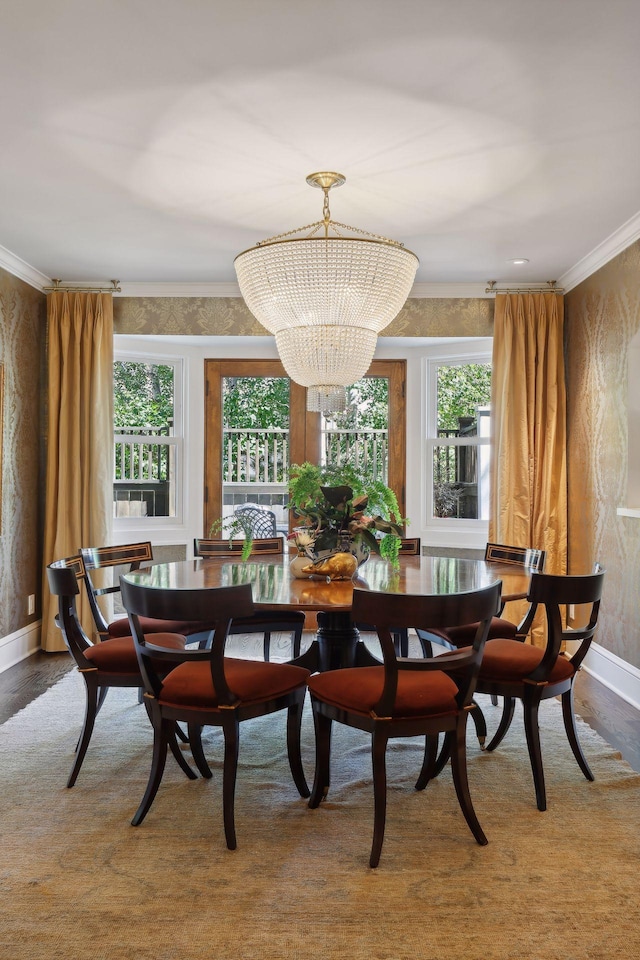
(337, 645)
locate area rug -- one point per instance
(78, 882)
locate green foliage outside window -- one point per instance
(142, 396)
(462, 388)
(368, 406)
(254, 402)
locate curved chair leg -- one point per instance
(180, 734)
(294, 722)
(321, 779)
(266, 645)
(401, 642)
(461, 782)
(102, 696)
(379, 740)
(91, 709)
(195, 742)
(572, 733)
(532, 732)
(480, 723)
(161, 732)
(178, 756)
(428, 771)
(508, 709)
(231, 730)
(425, 643)
(297, 642)
(445, 753)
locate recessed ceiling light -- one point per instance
(518, 260)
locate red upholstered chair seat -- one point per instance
(499, 628)
(513, 660)
(119, 655)
(121, 628)
(190, 684)
(358, 689)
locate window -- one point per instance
(256, 424)
(147, 439)
(458, 407)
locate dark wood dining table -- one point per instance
(337, 642)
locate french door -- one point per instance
(256, 424)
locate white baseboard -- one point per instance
(616, 674)
(19, 645)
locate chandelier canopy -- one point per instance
(325, 297)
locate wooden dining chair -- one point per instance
(410, 547)
(460, 636)
(206, 688)
(112, 561)
(109, 663)
(406, 697)
(265, 622)
(517, 670)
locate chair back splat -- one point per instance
(516, 670)
(231, 549)
(406, 697)
(118, 559)
(264, 622)
(521, 556)
(205, 688)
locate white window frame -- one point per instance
(127, 527)
(448, 531)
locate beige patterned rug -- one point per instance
(78, 882)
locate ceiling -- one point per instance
(153, 140)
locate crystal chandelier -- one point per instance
(325, 297)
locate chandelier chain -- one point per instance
(317, 224)
(326, 213)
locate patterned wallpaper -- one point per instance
(22, 346)
(228, 316)
(602, 316)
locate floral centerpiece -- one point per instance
(340, 509)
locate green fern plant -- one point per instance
(341, 501)
(235, 526)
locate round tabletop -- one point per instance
(275, 588)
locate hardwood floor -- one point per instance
(611, 716)
(614, 719)
(26, 681)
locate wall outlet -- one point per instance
(31, 604)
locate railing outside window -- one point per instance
(144, 476)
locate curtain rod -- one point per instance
(60, 287)
(549, 288)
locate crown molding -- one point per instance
(419, 291)
(178, 289)
(23, 270)
(618, 241)
(448, 291)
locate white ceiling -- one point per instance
(152, 140)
